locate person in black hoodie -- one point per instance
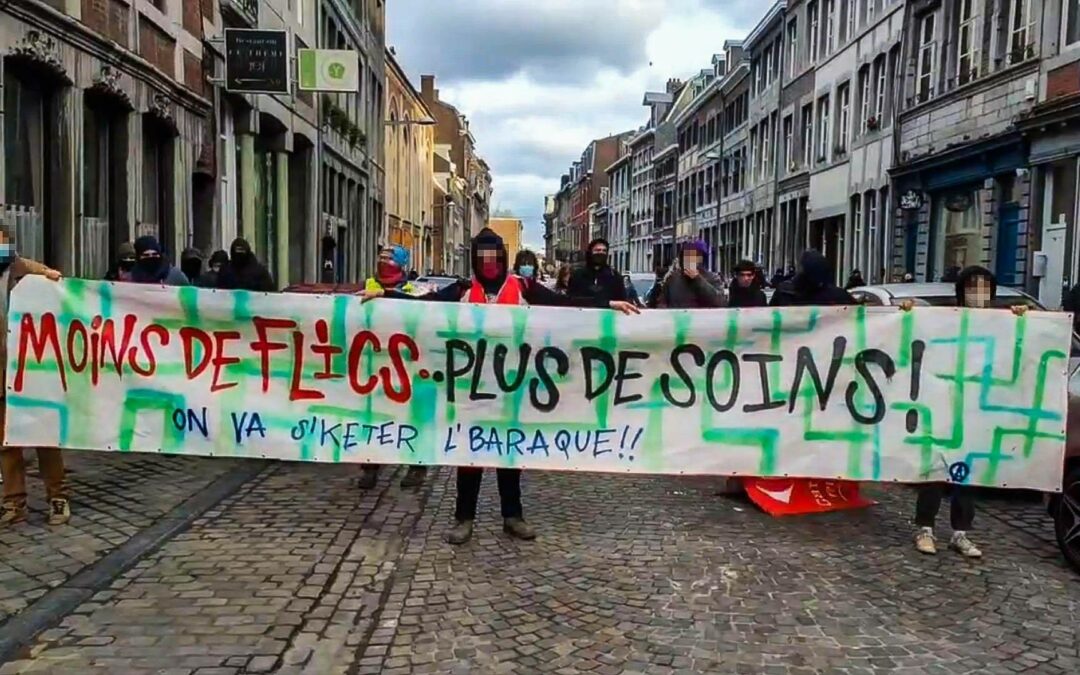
(493, 283)
(244, 271)
(976, 287)
(813, 285)
(209, 278)
(596, 280)
(745, 289)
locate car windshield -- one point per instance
(642, 285)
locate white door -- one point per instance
(1053, 246)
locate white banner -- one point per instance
(856, 393)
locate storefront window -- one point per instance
(958, 232)
(24, 153)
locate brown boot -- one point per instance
(519, 529)
(461, 533)
(59, 511)
(12, 513)
(414, 477)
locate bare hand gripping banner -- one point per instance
(876, 394)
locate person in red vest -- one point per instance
(494, 283)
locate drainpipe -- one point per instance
(779, 118)
(899, 101)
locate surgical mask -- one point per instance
(527, 271)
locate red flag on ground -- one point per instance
(799, 496)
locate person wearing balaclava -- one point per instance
(244, 271)
(391, 273)
(854, 280)
(976, 287)
(813, 285)
(689, 284)
(13, 508)
(191, 262)
(745, 289)
(493, 283)
(124, 263)
(209, 278)
(596, 281)
(152, 268)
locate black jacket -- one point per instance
(752, 296)
(589, 286)
(812, 286)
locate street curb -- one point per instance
(51, 608)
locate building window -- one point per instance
(850, 18)
(871, 10)
(1022, 28)
(830, 26)
(24, 151)
(880, 89)
(813, 29)
(793, 46)
(766, 66)
(96, 163)
(843, 116)
(766, 155)
(857, 226)
(789, 158)
(864, 99)
(924, 88)
(1070, 20)
(824, 131)
(967, 45)
(958, 239)
(807, 136)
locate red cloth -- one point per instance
(511, 293)
(798, 496)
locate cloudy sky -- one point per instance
(539, 79)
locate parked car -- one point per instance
(432, 283)
(1063, 507)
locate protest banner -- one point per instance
(846, 393)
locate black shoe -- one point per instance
(369, 478)
(519, 529)
(414, 477)
(461, 533)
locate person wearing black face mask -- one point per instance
(191, 262)
(152, 268)
(209, 278)
(596, 281)
(244, 271)
(121, 268)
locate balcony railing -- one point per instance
(28, 229)
(245, 10)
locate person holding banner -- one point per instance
(689, 284)
(12, 463)
(493, 283)
(813, 285)
(976, 287)
(391, 272)
(745, 289)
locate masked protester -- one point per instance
(596, 281)
(493, 283)
(688, 285)
(854, 280)
(526, 266)
(12, 463)
(812, 286)
(244, 271)
(391, 272)
(191, 262)
(209, 278)
(152, 268)
(745, 289)
(976, 287)
(125, 263)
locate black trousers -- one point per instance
(962, 508)
(468, 492)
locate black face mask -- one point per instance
(241, 258)
(598, 259)
(127, 265)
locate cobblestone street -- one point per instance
(294, 570)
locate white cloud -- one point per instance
(539, 80)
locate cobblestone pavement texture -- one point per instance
(299, 572)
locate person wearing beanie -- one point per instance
(493, 282)
(596, 281)
(244, 271)
(745, 289)
(121, 268)
(209, 278)
(152, 268)
(689, 284)
(191, 264)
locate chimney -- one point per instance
(427, 88)
(673, 85)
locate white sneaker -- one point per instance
(962, 545)
(924, 541)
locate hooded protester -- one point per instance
(391, 273)
(596, 280)
(689, 285)
(777, 278)
(13, 508)
(854, 280)
(191, 262)
(209, 278)
(244, 271)
(493, 283)
(152, 268)
(976, 287)
(124, 264)
(745, 289)
(812, 286)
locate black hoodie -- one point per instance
(813, 286)
(244, 271)
(750, 296)
(595, 282)
(489, 239)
